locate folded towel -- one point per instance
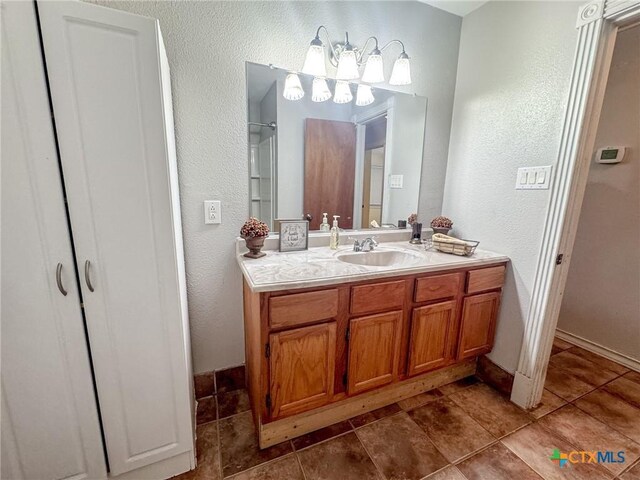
(439, 237)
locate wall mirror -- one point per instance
(306, 157)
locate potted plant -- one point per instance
(441, 224)
(254, 232)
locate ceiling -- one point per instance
(457, 7)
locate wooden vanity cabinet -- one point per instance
(317, 356)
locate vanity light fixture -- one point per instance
(292, 87)
(343, 92)
(348, 59)
(320, 90)
(364, 96)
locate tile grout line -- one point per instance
(375, 465)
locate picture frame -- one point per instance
(294, 235)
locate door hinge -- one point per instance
(347, 335)
(559, 259)
(344, 379)
(267, 350)
(268, 401)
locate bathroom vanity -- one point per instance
(330, 335)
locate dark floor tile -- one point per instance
(492, 374)
(566, 385)
(632, 474)
(491, 410)
(633, 376)
(374, 415)
(451, 429)
(626, 389)
(496, 463)
(206, 411)
(534, 444)
(286, 468)
(420, 399)
(616, 413)
(230, 379)
(587, 433)
(400, 448)
(447, 473)
(321, 435)
(583, 369)
(232, 403)
(342, 458)
(204, 384)
(562, 344)
(599, 360)
(208, 455)
(458, 385)
(239, 445)
(548, 403)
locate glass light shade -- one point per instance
(364, 95)
(401, 73)
(292, 88)
(320, 90)
(314, 63)
(373, 69)
(347, 66)
(343, 92)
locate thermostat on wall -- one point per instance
(610, 154)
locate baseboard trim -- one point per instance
(605, 352)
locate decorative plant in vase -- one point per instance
(254, 232)
(441, 224)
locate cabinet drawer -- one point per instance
(301, 308)
(377, 297)
(438, 287)
(485, 279)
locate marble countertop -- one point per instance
(320, 266)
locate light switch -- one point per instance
(212, 212)
(533, 178)
(396, 181)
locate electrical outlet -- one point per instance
(212, 212)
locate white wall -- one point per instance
(207, 44)
(602, 296)
(407, 128)
(513, 81)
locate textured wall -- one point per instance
(602, 298)
(207, 44)
(513, 80)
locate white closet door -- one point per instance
(104, 69)
(50, 427)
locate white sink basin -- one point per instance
(382, 258)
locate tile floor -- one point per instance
(464, 430)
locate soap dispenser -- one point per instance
(324, 226)
(335, 234)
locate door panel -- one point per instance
(115, 139)
(374, 347)
(50, 427)
(329, 170)
(431, 332)
(302, 368)
(478, 324)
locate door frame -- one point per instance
(361, 119)
(598, 24)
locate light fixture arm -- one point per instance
(393, 41)
(326, 32)
(360, 54)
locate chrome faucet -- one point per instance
(366, 245)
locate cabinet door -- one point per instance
(478, 324)
(374, 346)
(50, 427)
(302, 368)
(431, 332)
(109, 79)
